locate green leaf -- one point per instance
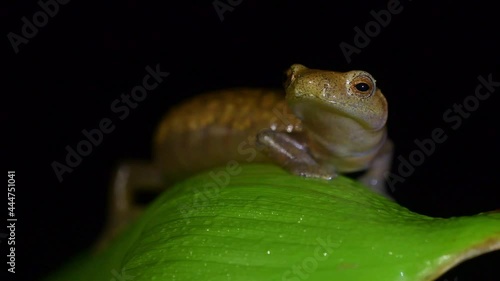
(259, 222)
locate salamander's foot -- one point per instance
(289, 151)
(315, 171)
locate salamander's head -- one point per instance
(352, 95)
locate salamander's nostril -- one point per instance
(293, 73)
(297, 68)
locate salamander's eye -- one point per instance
(362, 85)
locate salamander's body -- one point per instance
(218, 127)
(323, 124)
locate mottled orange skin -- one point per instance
(325, 125)
(218, 127)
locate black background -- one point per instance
(65, 78)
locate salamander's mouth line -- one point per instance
(333, 107)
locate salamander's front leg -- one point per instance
(290, 151)
(381, 164)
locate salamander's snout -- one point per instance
(292, 73)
